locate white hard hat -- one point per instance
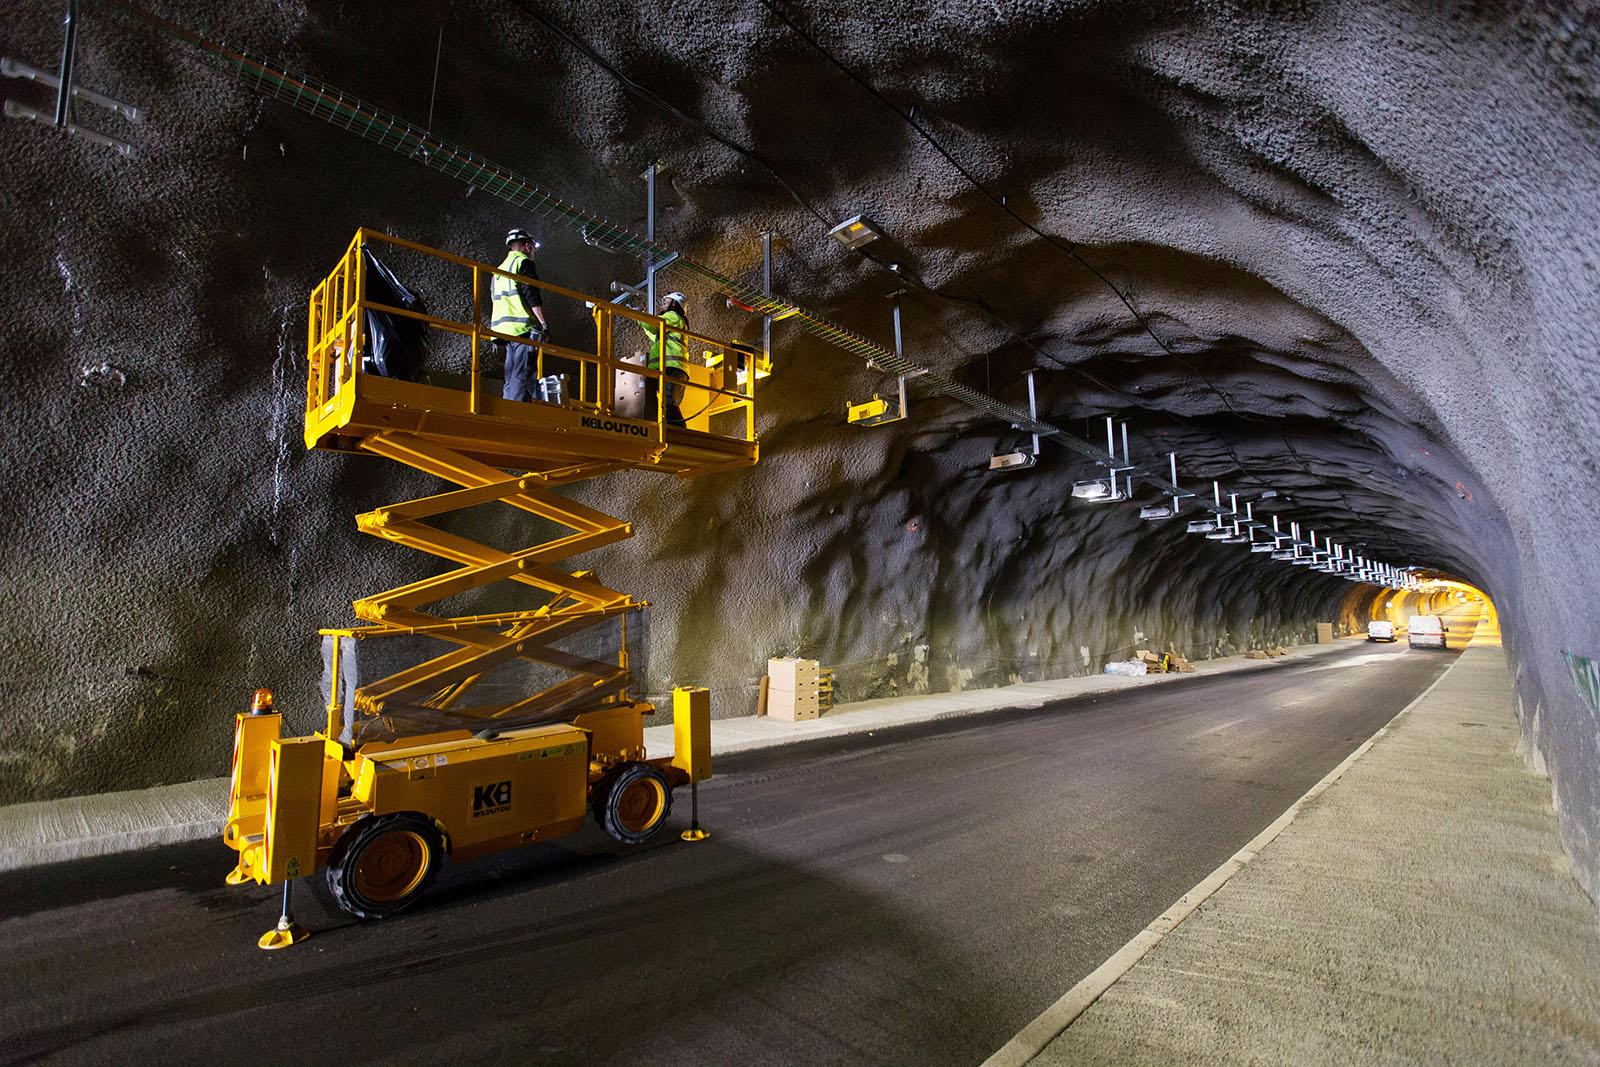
(517, 233)
(676, 298)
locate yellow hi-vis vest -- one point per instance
(674, 343)
(507, 312)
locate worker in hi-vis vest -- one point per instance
(666, 355)
(517, 309)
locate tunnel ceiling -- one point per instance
(1358, 238)
(1253, 186)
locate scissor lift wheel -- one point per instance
(634, 804)
(384, 863)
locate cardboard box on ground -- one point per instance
(797, 689)
(1174, 663)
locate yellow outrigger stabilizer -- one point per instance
(444, 757)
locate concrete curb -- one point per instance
(1054, 1020)
(54, 831)
(101, 824)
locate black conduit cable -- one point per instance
(656, 100)
(653, 98)
(1068, 247)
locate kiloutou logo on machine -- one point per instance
(491, 799)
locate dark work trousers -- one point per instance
(669, 408)
(519, 372)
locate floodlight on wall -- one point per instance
(1099, 491)
(1011, 461)
(855, 232)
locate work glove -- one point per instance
(539, 333)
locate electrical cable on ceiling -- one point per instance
(348, 112)
(1068, 247)
(651, 97)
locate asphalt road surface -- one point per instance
(914, 896)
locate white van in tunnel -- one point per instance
(1380, 630)
(1426, 631)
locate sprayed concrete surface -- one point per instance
(1418, 911)
(1362, 230)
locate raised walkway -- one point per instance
(1417, 909)
(104, 823)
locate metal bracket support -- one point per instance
(67, 91)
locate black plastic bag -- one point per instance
(396, 345)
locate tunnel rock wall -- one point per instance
(1361, 231)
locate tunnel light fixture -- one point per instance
(1261, 546)
(1012, 461)
(1200, 526)
(1153, 512)
(1099, 491)
(855, 232)
(1284, 554)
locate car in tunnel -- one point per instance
(1426, 631)
(1380, 630)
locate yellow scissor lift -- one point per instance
(509, 729)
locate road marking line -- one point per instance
(1054, 1020)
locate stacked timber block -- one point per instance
(797, 689)
(1324, 633)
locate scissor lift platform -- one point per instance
(437, 757)
(591, 423)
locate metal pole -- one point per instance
(650, 235)
(766, 289)
(68, 49)
(1033, 405)
(1172, 461)
(897, 348)
(694, 833)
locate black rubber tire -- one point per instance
(352, 885)
(615, 800)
